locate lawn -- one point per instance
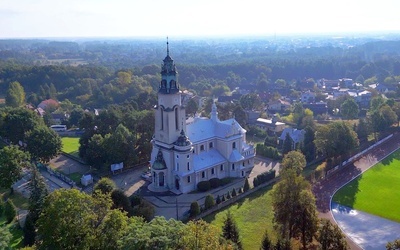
(376, 190)
(18, 199)
(71, 145)
(253, 215)
(16, 231)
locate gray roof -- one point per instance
(295, 134)
(202, 129)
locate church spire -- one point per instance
(168, 83)
(167, 47)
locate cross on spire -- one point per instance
(167, 47)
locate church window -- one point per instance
(188, 166)
(202, 148)
(177, 156)
(233, 166)
(203, 174)
(188, 156)
(212, 171)
(243, 164)
(242, 173)
(188, 179)
(221, 167)
(176, 119)
(162, 119)
(211, 145)
(234, 145)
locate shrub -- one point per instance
(223, 198)
(225, 181)
(267, 151)
(215, 182)
(194, 209)
(209, 202)
(145, 209)
(9, 211)
(135, 200)
(246, 186)
(265, 177)
(218, 200)
(203, 186)
(240, 190)
(234, 192)
(255, 182)
(228, 195)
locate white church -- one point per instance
(188, 151)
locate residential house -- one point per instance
(296, 136)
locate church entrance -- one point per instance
(161, 179)
(177, 184)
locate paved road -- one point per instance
(324, 190)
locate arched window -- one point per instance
(201, 147)
(176, 119)
(162, 118)
(234, 145)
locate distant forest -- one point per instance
(98, 73)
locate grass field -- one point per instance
(71, 145)
(375, 191)
(253, 215)
(16, 231)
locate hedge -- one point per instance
(264, 177)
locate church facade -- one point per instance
(188, 151)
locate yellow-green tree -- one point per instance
(15, 95)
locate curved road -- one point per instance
(324, 189)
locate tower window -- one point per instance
(188, 179)
(234, 145)
(162, 119)
(221, 167)
(212, 171)
(233, 166)
(176, 119)
(188, 166)
(203, 174)
(211, 145)
(202, 148)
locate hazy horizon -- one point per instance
(193, 19)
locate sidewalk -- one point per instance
(176, 206)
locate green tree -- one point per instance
(43, 143)
(335, 139)
(330, 237)
(29, 231)
(5, 238)
(83, 221)
(287, 205)
(191, 107)
(38, 192)
(266, 242)
(287, 144)
(382, 118)
(209, 202)
(201, 235)
(308, 146)
(246, 186)
(121, 201)
(12, 160)
(307, 222)
(230, 231)
(362, 130)
(105, 185)
(294, 160)
(9, 211)
(18, 121)
(250, 101)
(194, 209)
(240, 115)
(120, 146)
(349, 109)
(1, 206)
(15, 95)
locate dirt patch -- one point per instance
(68, 166)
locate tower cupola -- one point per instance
(168, 83)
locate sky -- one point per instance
(193, 18)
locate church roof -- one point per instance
(207, 159)
(203, 129)
(235, 156)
